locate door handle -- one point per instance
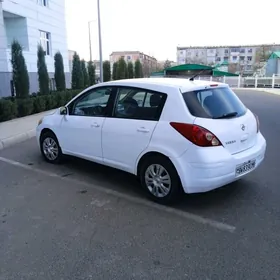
(143, 129)
(95, 125)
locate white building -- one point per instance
(31, 22)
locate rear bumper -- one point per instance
(206, 169)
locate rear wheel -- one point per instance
(50, 148)
(160, 178)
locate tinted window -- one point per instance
(93, 103)
(214, 103)
(139, 104)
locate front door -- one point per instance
(80, 130)
(128, 132)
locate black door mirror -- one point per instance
(63, 110)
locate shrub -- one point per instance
(43, 76)
(39, 104)
(59, 75)
(8, 109)
(25, 106)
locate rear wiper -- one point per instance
(228, 115)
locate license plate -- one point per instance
(245, 167)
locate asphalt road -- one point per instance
(80, 220)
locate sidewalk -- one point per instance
(267, 90)
(18, 130)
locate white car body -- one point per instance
(122, 142)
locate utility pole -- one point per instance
(100, 43)
(89, 34)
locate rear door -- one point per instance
(128, 132)
(219, 110)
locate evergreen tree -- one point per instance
(138, 72)
(85, 73)
(59, 75)
(91, 73)
(20, 74)
(122, 69)
(130, 72)
(77, 79)
(106, 71)
(115, 71)
(43, 76)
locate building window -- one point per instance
(235, 50)
(249, 58)
(218, 59)
(44, 3)
(226, 58)
(45, 38)
(226, 51)
(242, 58)
(242, 50)
(250, 50)
(234, 58)
(128, 57)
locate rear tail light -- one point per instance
(196, 134)
(258, 123)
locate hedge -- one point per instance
(11, 108)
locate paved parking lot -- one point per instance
(80, 220)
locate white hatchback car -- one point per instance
(174, 134)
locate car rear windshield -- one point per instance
(215, 103)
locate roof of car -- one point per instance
(178, 83)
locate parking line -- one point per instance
(187, 215)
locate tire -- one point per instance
(166, 193)
(54, 155)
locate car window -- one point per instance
(139, 104)
(214, 103)
(94, 103)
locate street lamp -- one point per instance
(100, 43)
(89, 34)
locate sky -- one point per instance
(157, 27)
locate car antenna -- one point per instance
(200, 72)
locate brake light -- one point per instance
(196, 134)
(258, 122)
(213, 85)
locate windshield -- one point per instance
(214, 103)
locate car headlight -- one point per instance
(40, 121)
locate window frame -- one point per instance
(159, 109)
(47, 41)
(110, 104)
(43, 3)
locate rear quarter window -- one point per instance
(214, 103)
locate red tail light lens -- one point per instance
(197, 134)
(258, 123)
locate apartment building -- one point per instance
(149, 63)
(32, 22)
(241, 59)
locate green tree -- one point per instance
(20, 74)
(115, 71)
(43, 76)
(59, 75)
(138, 71)
(122, 69)
(106, 71)
(130, 72)
(167, 64)
(91, 73)
(77, 79)
(85, 73)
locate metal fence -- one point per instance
(242, 82)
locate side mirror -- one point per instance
(63, 110)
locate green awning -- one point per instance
(275, 55)
(217, 73)
(189, 67)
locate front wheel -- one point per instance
(160, 178)
(50, 148)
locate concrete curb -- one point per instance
(8, 142)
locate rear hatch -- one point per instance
(220, 111)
